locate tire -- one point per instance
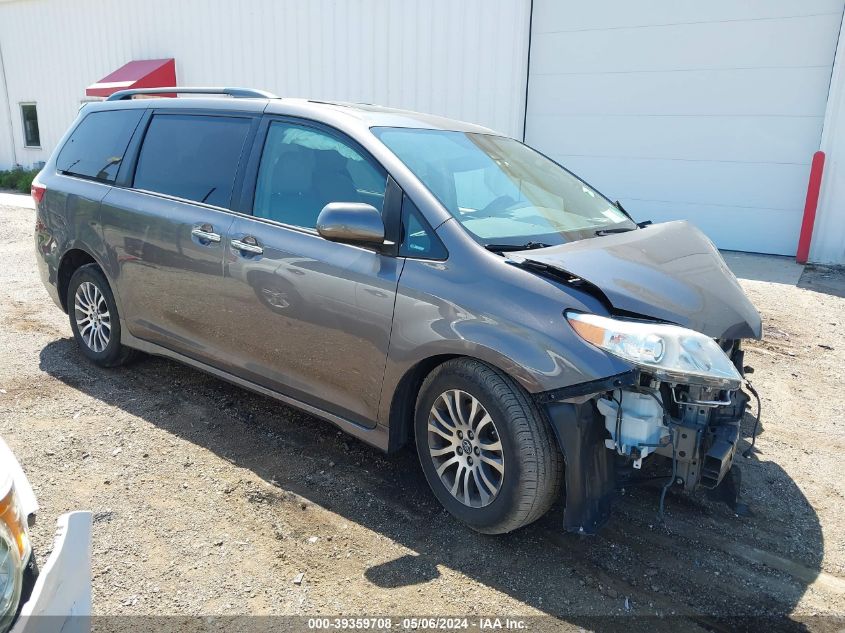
(521, 478)
(94, 318)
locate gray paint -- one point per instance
(334, 327)
(669, 271)
(328, 346)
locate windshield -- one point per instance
(503, 192)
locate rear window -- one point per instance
(95, 148)
(194, 157)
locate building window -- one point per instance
(29, 115)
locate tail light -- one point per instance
(37, 191)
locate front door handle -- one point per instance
(248, 245)
(205, 232)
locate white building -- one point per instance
(709, 111)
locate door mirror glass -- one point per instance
(351, 223)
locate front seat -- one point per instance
(333, 182)
(292, 198)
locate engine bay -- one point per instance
(684, 435)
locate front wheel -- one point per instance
(486, 449)
(94, 319)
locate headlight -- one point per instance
(11, 578)
(671, 353)
(15, 550)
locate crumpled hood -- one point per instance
(668, 271)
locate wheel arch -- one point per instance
(79, 254)
(400, 418)
(404, 400)
(73, 259)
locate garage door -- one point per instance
(706, 111)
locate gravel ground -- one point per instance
(210, 500)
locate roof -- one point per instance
(376, 115)
(365, 114)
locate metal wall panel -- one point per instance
(828, 244)
(7, 154)
(466, 60)
(707, 111)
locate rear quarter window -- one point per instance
(190, 156)
(96, 147)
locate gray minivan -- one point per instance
(409, 278)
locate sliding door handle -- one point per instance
(205, 232)
(248, 245)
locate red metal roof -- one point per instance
(139, 73)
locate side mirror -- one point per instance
(351, 223)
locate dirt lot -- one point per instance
(211, 500)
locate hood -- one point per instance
(669, 271)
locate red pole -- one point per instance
(810, 205)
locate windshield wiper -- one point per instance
(642, 224)
(504, 248)
(625, 229)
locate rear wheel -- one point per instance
(94, 318)
(486, 449)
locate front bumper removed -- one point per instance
(697, 447)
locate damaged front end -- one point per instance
(676, 313)
(609, 429)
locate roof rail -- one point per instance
(238, 93)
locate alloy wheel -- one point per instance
(92, 316)
(466, 449)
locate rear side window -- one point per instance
(192, 156)
(95, 148)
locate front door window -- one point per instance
(303, 169)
